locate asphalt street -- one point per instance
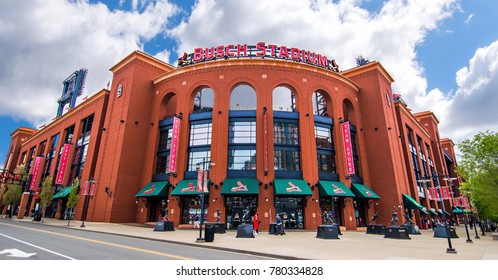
(25, 241)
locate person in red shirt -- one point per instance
(256, 223)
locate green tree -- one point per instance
(14, 189)
(479, 169)
(73, 197)
(46, 195)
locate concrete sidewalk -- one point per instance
(352, 245)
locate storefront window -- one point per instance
(235, 206)
(192, 207)
(290, 210)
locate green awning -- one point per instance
(362, 191)
(154, 189)
(411, 203)
(458, 210)
(441, 212)
(62, 193)
(333, 188)
(240, 187)
(291, 187)
(187, 187)
(433, 212)
(424, 211)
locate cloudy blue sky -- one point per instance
(443, 54)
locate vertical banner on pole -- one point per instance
(348, 148)
(174, 145)
(199, 180)
(205, 182)
(63, 164)
(36, 171)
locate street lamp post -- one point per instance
(89, 188)
(473, 217)
(209, 165)
(450, 183)
(450, 249)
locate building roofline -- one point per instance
(405, 109)
(144, 57)
(426, 114)
(367, 68)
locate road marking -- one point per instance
(16, 253)
(105, 243)
(38, 247)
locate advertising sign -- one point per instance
(174, 145)
(348, 148)
(63, 164)
(36, 171)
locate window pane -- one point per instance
(323, 137)
(242, 159)
(319, 104)
(286, 133)
(200, 134)
(204, 100)
(326, 163)
(243, 97)
(287, 160)
(284, 99)
(197, 157)
(242, 132)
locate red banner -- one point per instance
(36, 171)
(200, 174)
(456, 201)
(465, 202)
(63, 164)
(348, 148)
(445, 192)
(434, 193)
(205, 184)
(174, 145)
(89, 188)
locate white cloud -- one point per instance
(339, 29)
(475, 104)
(469, 18)
(43, 42)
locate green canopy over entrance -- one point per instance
(62, 193)
(187, 187)
(240, 187)
(411, 203)
(154, 189)
(362, 191)
(333, 188)
(291, 187)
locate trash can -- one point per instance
(37, 217)
(209, 233)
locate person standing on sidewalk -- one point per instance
(256, 223)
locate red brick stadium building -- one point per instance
(268, 125)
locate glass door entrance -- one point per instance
(290, 210)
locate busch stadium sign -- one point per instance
(260, 50)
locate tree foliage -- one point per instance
(46, 195)
(479, 169)
(14, 190)
(73, 197)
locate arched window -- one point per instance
(284, 99)
(243, 97)
(204, 100)
(319, 104)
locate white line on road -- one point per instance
(38, 247)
